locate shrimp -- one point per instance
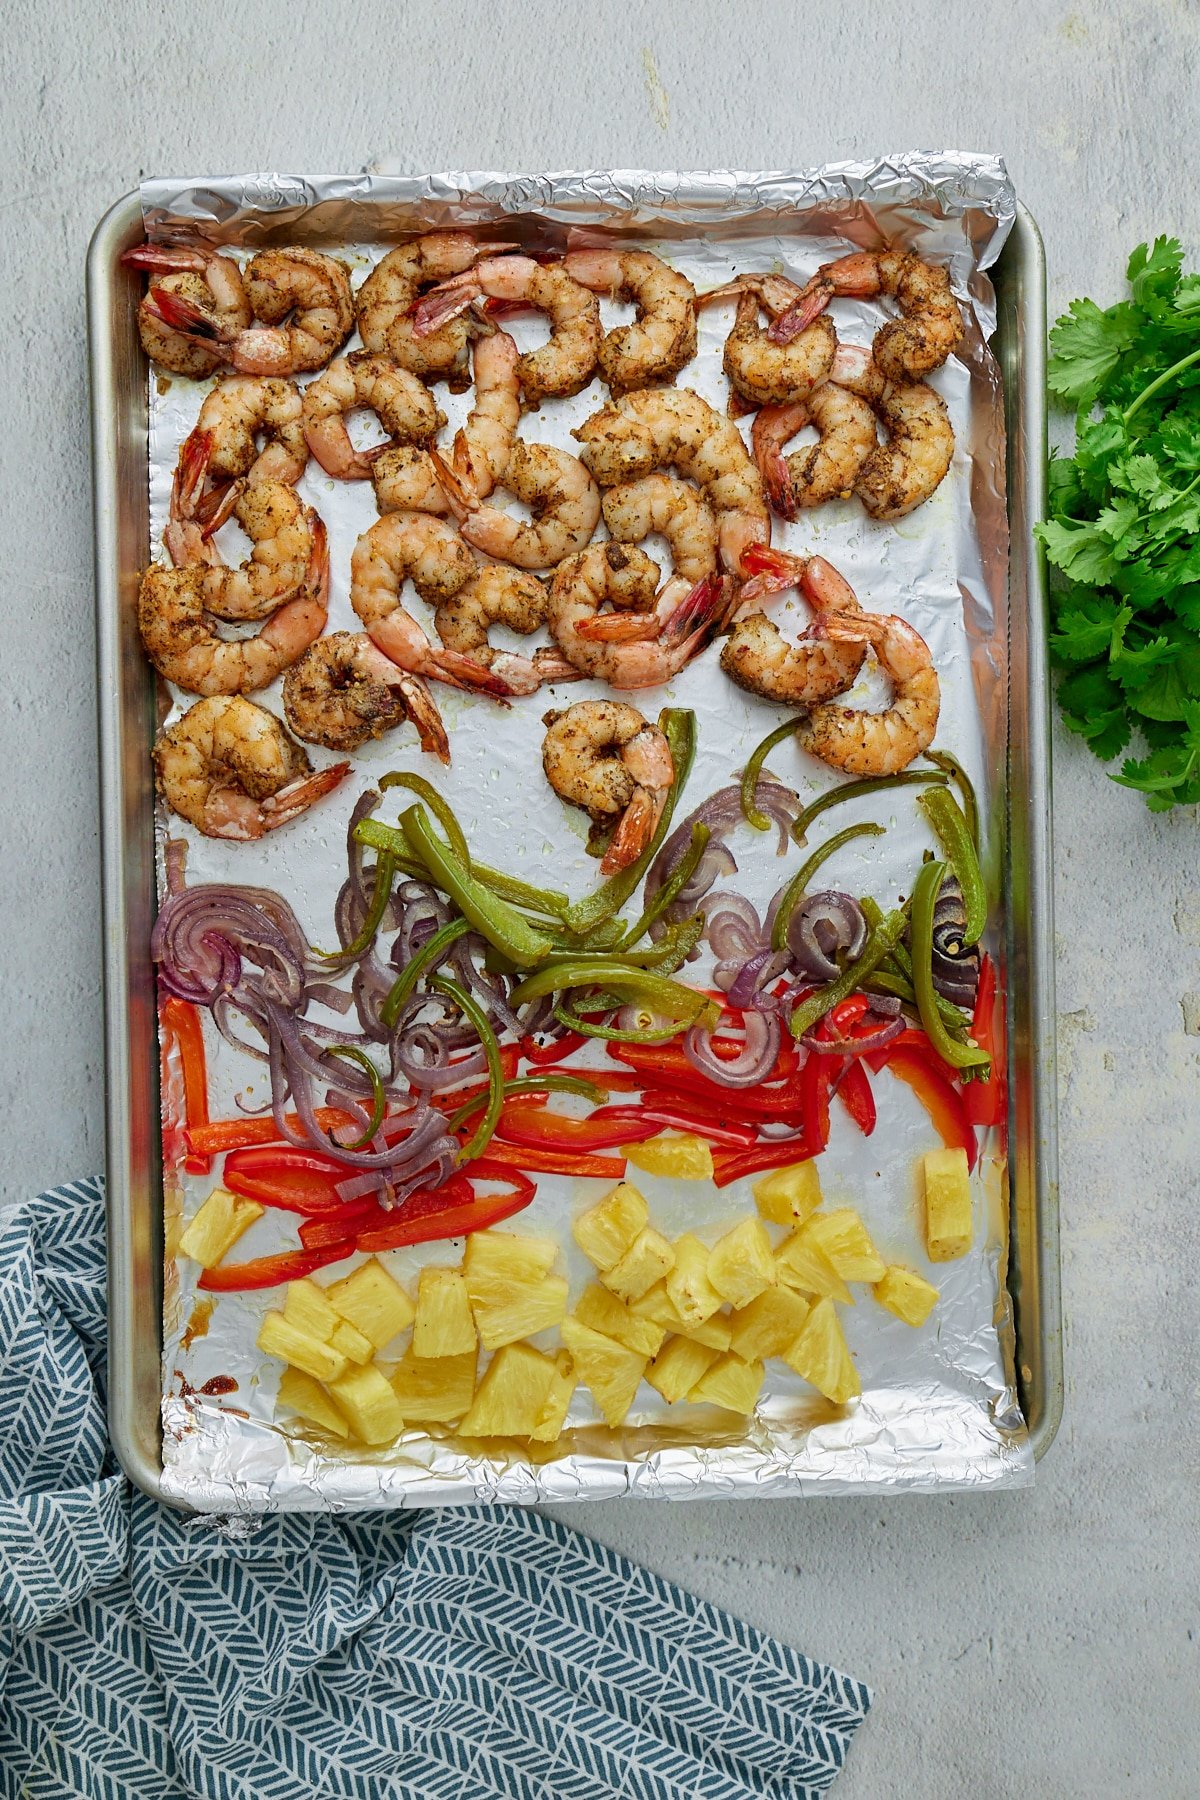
(906, 348)
(757, 655)
(237, 412)
(343, 691)
(565, 364)
(659, 427)
(674, 508)
(386, 299)
(557, 489)
(604, 756)
(231, 770)
(405, 478)
(496, 596)
(662, 338)
(180, 641)
(901, 474)
(303, 302)
(763, 372)
(398, 547)
(404, 406)
(882, 743)
(197, 283)
(622, 577)
(825, 470)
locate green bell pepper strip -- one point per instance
(656, 992)
(794, 891)
(440, 808)
(924, 900)
(885, 981)
(674, 945)
(532, 1084)
(413, 970)
(853, 790)
(953, 832)
(500, 923)
(474, 1013)
(381, 893)
(653, 1034)
(753, 770)
(679, 727)
(378, 836)
(351, 1053)
(684, 869)
(878, 946)
(942, 759)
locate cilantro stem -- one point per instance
(1159, 381)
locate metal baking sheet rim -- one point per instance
(126, 723)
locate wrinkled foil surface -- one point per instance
(939, 1408)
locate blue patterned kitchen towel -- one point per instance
(472, 1654)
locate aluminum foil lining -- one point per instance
(939, 1408)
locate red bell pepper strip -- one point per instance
(911, 1039)
(854, 1091)
(556, 1162)
(674, 1117)
(181, 1019)
(272, 1271)
(816, 1078)
(315, 1234)
(986, 1102)
(780, 1153)
(777, 1100)
(617, 1081)
(941, 1101)
(300, 1181)
(426, 1216)
(237, 1134)
(555, 1050)
(523, 1122)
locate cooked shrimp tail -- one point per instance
(181, 314)
(604, 756)
(635, 828)
(302, 793)
(697, 610)
(422, 710)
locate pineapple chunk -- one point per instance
(948, 1229)
(730, 1383)
(692, 1293)
(656, 1305)
(371, 1408)
(906, 1294)
(740, 1264)
(373, 1302)
(787, 1196)
(605, 1313)
(647, 1258)
(218, 1225)
(553, 1415)
(846, 1242)
(681, 1154)
(678, 1367)
(443, 1325)
(768, 1325)
(610, 1370)
(305, 1307)
(821, 1356)
(606, 1230)
(799, 1263)
(434, 1387)
(512, 1398)
(350, 1341)
(499, 1262)
(277, 1336)
(310, 1400)
(527, 1311)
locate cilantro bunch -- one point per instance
(1124, 518)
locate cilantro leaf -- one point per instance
(1081, 550)
(1085, 347)
(1088, 631)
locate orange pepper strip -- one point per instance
(181, 1018)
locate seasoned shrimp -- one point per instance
(302, 302)
(906, 348)
(239, 411)
(231, 770)
(619, 576)
(343, 691)
(675, 509)
(405, 477)
(660, 427)
(557, 489)
(560, 367)
(496, 596)
(825, 470)
(196, 283)
(901, 474)
(404, 546)
(386, 299)
(763, 372)
(878, 743)
(604, 756)
(403, 405)
(759, 658)
(663, 336)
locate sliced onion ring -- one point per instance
(824, 923)
(752, 1065)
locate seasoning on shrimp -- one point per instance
(624, 577)
(676, 510)
(244, 408)
(344, 691)
(604, 756)
(904, 349)
(903, 472)
(878, 743)
(763, 372)
(662, 339)
(826, 470)
(402, 404)
(816, 668)
(229, 768)
(561, 496)
(404, 476)
(195, 283)
(497, 595)
(385, 302)
(555, 369)
(303, 307)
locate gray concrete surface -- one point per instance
(1044, 1644)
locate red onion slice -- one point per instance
(856, 1046)
(759, 1050)
(822, 924)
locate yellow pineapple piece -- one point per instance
(730, 1383)
(846, 1241)
(605, 1231)
(499, 1262)
(511, 1399)
(801, 1264)
(277, 1336)
(740, 1264)
(438, 1388)
(787, 1196)
(680, 1154)
(656, 1305)
(647, 1259)
(948, 1227)
(371, 1408)
(553, 1415)
(611, 1371)
(906, 1294)
(217, 1226)
(527, 1311)
(768, 1325)
(605, 1313)
(678, 1367)
(374, 1303)
(820, 1354)
(305, 1307)
(307, 1397)
(350, 1341)
(693, 1294)
(443, 1325)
